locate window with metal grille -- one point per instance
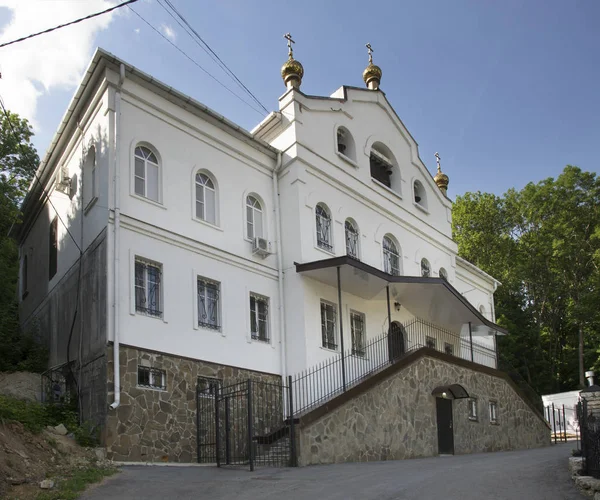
(207, 386)
(493, 412)
(328, 325)
(53, 248)
(209, 292)
(206, 198)
(259, 317)
(357, 328)
(391, 257)
(430, 342)
(254, 218)
(425, 268)
(152, 378)
(472, 403)
(443, 274)
(146, 174)
(323, 220)
(449, 348)
(148, 287)
(351, 239)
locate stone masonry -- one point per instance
(154, 425)
(396, 418)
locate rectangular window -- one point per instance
(148, 288)
(259, 317)
(209, 295)
(472, 402)
(357, 328)
(449, 348)
(207, 386)
(328, 325)
(430, 342)
(152, 378)
(493, 412)
(53, 248)
(140, 176)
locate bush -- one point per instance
(36, 416)
(87, 434)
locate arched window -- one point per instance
(345, 143)
(382, 164)
(146, 173)
(351, 231)
(482, 311)
(206, 198)
(391, 256)
(89, 177)
(254, 218)
(425, 268)
(323, 220)
(443, 274)
(419, 194)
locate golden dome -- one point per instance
(292, 68)
(372, 72)
(442, 180)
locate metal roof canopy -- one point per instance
(428, 298)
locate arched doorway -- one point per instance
(396, 347)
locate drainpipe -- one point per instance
(276, 209)
(116, 241)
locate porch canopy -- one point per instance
(428, 298)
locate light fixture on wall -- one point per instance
(397, 306)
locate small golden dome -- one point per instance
(442, 180)
(372, 72)
(292, 68)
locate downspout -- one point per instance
(116, 241)
(279, 264)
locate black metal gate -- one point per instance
(246, 423)
(589, 425)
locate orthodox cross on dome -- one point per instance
(437, 160)
(288, 37)
(370, 50)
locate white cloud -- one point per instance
(168, 32)
(136, 31)
(57, 60)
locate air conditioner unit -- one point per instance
(261, 246)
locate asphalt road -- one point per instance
(529, 474)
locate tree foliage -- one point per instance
(18, 161)
(543, 244)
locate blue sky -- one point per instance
(507, 92)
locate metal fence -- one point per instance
(590, 440)
(245, 423)
(563, 422)
(322, 382)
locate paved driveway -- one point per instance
(529, 475)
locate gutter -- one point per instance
(279, 264)
(116, 241)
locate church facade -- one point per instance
(181, 253)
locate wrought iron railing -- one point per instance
(318, 384)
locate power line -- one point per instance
(207, 48)
(69, 23)
(35, 176)
(196, 63)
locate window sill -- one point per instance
(389, 190)
(207, 328)
(495, 423)
(347, 159)
(148, 315)
(256, 340)
(328, 349)
(148, 200)
(209, 224)
(421, 208)
(473, 419)
(90, 204)
(147, 388)
(324, 250)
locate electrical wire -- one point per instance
(49, 30)
(188, 28)
(195, 62)
(37, 179)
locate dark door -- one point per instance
(396, 341)
(444, 425)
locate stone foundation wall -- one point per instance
(396, 418)
(154, 425)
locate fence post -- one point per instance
(564, 423)
(217, 431)
(293, 458)
(250, 426)
(227, 436)
(554, 422)
(198, 423)
(471, 341)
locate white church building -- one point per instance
(181, 253)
